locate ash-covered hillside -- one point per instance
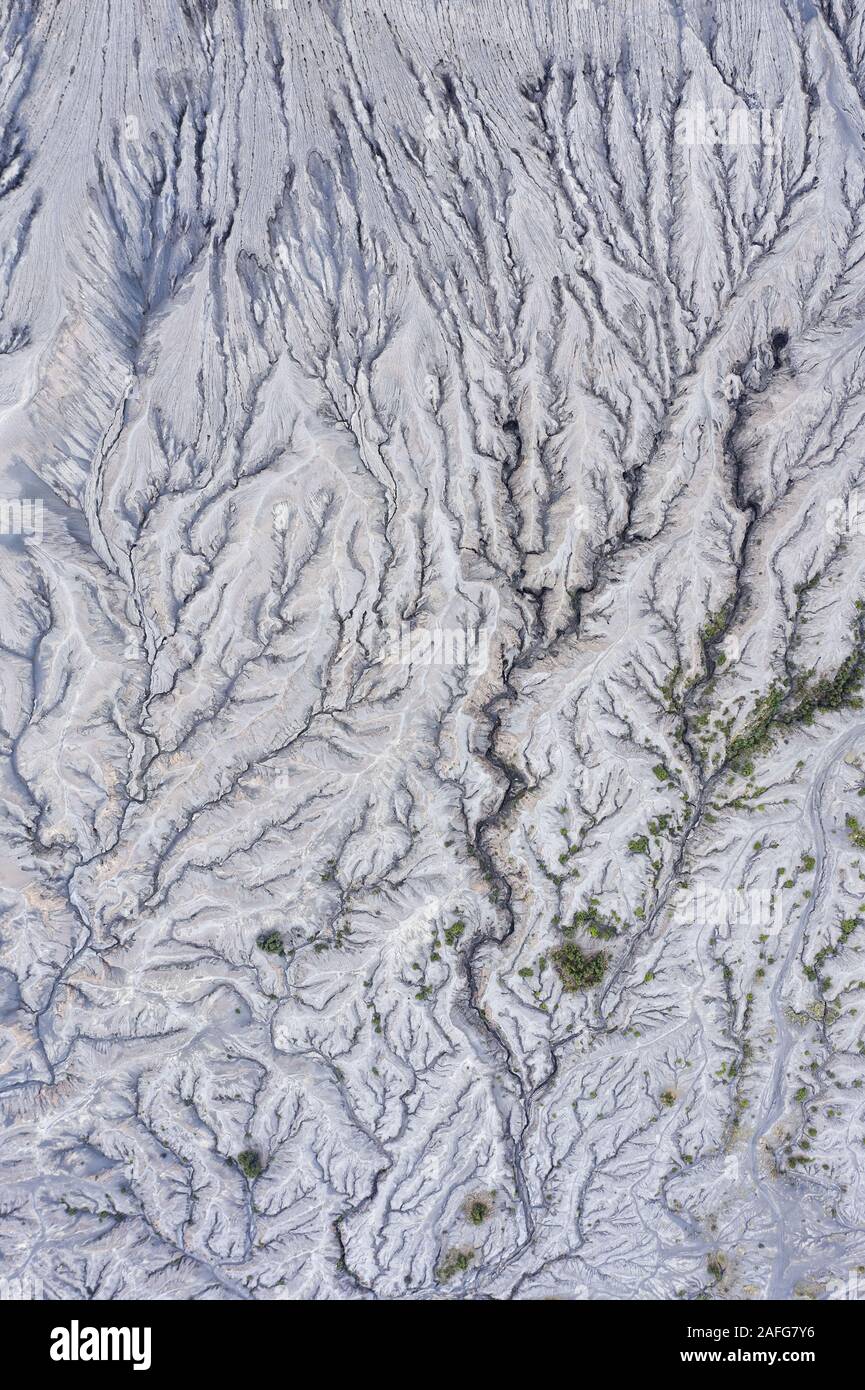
(432, 608)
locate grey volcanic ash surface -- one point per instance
(432, 608)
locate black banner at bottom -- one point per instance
(85, 1339)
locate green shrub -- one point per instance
(478, 1211)
(857, 834)
(454, 1262)
(589, 920)
(575, 969)
(271, 942)
(249, 1164)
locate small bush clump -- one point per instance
(478, 1210)
(271, 942)
(453, 933)
(454, 1262)
(575, 969)
(249, 1164)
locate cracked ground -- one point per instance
(432, 640)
